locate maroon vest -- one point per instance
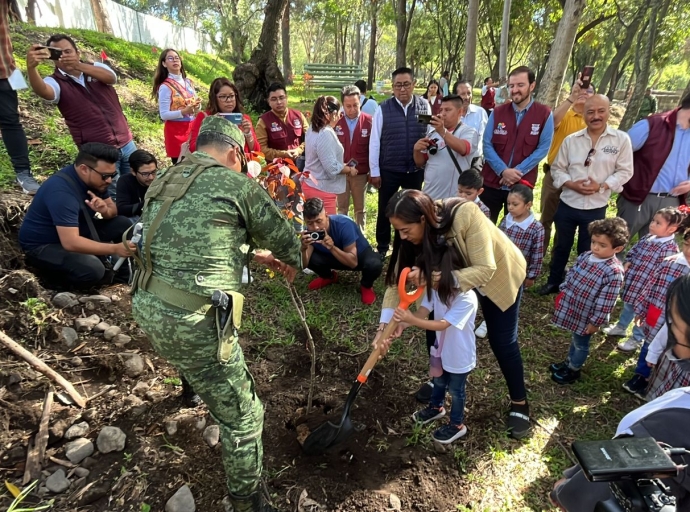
(520, 141)
(489, 99)
(359, 147)
(436, 105)
(650, 158)
(283, 136)
(92, 113)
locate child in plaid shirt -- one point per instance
(470, 185)
(524, 230)
(640, 263)
(589, 294)
(650, 308)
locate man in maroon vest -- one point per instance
(353, 131)
(661, 145)
(281, 130)
(517, 137)
(85, 96)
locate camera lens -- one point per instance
(433, 149)
(314, 235)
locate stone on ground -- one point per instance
(69, 336)
(134, 365)
(111, 332)
(86, 324)
(58, 482)
(77, 430)
(65, 300)
(78, 450)
(181, 501)
(212, 435)
(111, 439)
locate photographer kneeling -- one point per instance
(335, 242)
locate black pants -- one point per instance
(368, 263)
(12, 131)
(72, 269)
(567, 221)
(495, 200)
(391, 182)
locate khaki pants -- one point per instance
(550, 196)
(357, 187)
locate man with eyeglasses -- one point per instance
(591, 164)
(85, 96)
(131, 189)
(394, 132)
(72, 225)
(281, 130)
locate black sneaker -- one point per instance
(548, 289)
(429, 414)
(449, 433)
(518, 420)
(637, 386)
(189, 397)
(565, 376)
(555, 367)
(423, 394)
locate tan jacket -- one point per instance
(494, 265)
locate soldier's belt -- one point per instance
(178, 298)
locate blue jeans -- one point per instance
(642, 368)
(455, 384)
(579, 350)
(627, 316)
(122, 165)
(502, 330)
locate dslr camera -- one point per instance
(433, 147)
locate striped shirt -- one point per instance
(6, 60)
(324, 160)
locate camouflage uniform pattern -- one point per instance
(201, 245)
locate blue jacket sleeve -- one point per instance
(542, 148)
(490, 155)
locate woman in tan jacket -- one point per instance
(493, 266)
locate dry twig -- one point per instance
(299, 306)
(37, 453)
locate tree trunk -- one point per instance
(630, 33)
(100, 14)
(471, 40)
(358, 44)
(372, 46)
(656, 17)
(403, 22)
(16, 15)
(503, 49)
(686, 92)
(253, 78)
(562, 46)
(285, 35)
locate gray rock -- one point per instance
(81, 472)
(212, 435)
(394, 502)
(90, 414)
(111, 332)
(141, 388)
(58, 482)
(111, 439)
(101, 327)
(121, 340)
(170, 427)
(95, 298)
(86, 324)
(138, 410)
(77, 430)
(134, 365)
(133, 401)
(65, 300)
(200, 423)
(69, 336)
(76, 361)
(181, 501)
(89, 463)
(78, 450)
(42, 491)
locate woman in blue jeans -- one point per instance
(490, 264)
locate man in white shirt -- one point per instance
(446, 150)
(475, 116)
(85, 96)
(590, 165)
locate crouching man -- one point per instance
(335, 242)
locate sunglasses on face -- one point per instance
(104, 177)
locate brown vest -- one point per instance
(283, 136)
(359, 147)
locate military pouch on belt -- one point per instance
(227, 324)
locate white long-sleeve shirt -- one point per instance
(81, 80)
(165, 98)
(324, 160)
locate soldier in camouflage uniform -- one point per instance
(201, 219)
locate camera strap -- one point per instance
(452, 153)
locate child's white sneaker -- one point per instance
(246, 278)
(614, 330)
(480, 332)
(629, 345)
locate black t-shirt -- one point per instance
(130, 196)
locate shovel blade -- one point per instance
(321, 439)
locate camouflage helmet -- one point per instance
(219, 124)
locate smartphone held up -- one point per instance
(586, 77)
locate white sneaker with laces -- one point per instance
(246, 278)
(629, 345)
(309, 271)
(480, 332)
(614, 330)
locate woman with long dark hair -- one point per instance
(324, 155)
(224, 98)
(492, 265)
(434, 96)
(177, 101)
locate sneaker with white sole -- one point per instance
(480, 332)
(429, 414)
(629, 345)
(449, 433)
(614, 330)
(27, 182)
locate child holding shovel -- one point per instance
(453, 355)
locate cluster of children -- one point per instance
(583, 306)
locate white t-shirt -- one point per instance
(459, 354)
(368, 104)
(49, 80)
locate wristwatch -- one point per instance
(602, 189)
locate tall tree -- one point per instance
(373, 38)
(686, 92)
(471, 40)
(253, 78)
(100, 14)
(561, 48)
(403, 21)
(285, 37)
(505, 33)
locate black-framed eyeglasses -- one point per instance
(588, 160)
(147, 174)
(404, 85)
(104, 177)
(226, 98)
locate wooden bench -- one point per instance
(333, 77)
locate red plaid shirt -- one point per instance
(588, 293)
(6, 60)
(530, 241)
(651, 301)
(645, 256)
(483, 208)
(667, 376)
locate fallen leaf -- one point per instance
(306, 504)
(14, 490)
(34, 142)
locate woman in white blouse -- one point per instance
(177, 101)
(324, 155)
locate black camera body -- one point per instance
(638, 496)
(316, 235)
(433, 147)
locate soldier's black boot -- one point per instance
(189, 397)
(255, 502)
